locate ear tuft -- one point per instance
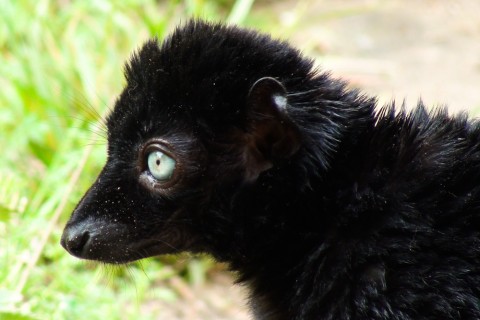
(272, 135)
(268, 94)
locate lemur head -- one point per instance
(202, 115)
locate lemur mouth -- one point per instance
(140, 250)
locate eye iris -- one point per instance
(160, 165)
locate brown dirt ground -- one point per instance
(392, 49)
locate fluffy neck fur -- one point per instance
(276, 224)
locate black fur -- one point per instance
(326, 208)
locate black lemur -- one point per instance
(228, 142)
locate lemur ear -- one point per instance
(272, 136)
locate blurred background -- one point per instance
(60, 71)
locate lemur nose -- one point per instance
(75, 240)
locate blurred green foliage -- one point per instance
(61, 66)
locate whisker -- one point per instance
(165, 242)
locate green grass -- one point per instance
(61, 67)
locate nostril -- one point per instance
(75, 241)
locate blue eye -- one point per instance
(160, 165)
